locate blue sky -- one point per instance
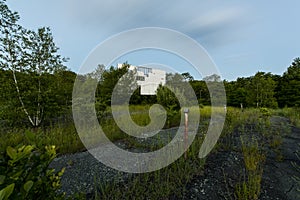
(241, 37)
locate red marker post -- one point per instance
(186, 120)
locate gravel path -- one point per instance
(82, 168)
(223, 169)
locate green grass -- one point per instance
(64, 137)
(250, 187)
(253, 156)
(293, 114)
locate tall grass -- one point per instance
(168, 182)
(62, 136)
(293, 114)
(249, 125)
(65, 136)
(253, 155)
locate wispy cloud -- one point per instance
(191, 17)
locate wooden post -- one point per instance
(186, 120)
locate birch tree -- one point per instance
(27, 51)
(40, 57)
(10, 49)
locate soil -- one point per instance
(224, 168)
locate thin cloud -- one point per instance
(211, 26)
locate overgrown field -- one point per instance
(250, 132)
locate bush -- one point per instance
(24, 173)
(265, 112)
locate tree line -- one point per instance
(263, 89)
(50, 94)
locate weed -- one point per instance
(64, 137)
(276, 142)
(249, 189)
(160, 184)
(254, 159)
(293, 114)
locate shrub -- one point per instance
(24, 173)
(265, 112)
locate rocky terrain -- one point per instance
(223, 169)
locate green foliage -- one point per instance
(266, 90)
(173, 96)
(64, 137)
(254, 159)
(201, 91)
(56, 97)
(187, 76)
(261, 91)
(216, 89)
(289, 91)
(109, 80)
(169, 101)
(293, 114)
(7, 191)
(167, 98)
(249, 189)
(265, 112)
(27, 55)
(25, 174)
(176, 93)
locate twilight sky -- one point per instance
(241, 37)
